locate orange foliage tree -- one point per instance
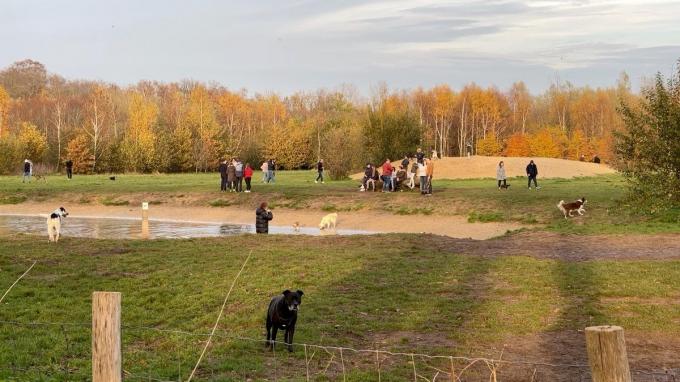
(518, 145)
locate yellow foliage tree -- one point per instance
(289, 145)
(4, 110)
(578, 146)
(139, 143)
(518, 145)
(489, 146)
(32, 142)
(542, 144)
(202, 121)
(79, 151)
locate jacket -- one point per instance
(248, 172)
(239, 169)
(231, 173)
(387, 169)
(27, 166)
(262, 218)
(223, 170)
(69, 164)
(422, 169)
(532, 170)
(368, 173)
(429, 171)
(500, 173)
(319, 166)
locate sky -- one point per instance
(284, 46)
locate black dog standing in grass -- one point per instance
(282, 314)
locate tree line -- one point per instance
(188, 126)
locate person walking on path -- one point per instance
(231, 176)
(532, 173)
(223, 175)
(265, 171)
(247, 175)
(239, 175)
(387, 175)
(262, 217)
(69, 169)
(319, 169)
(429, 174)
(500, 175)
(28, 171)
(422, 176)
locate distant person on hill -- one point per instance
(319, 169)
(69, 169)
(247, 175)
(420, 156)
(582, 158)
(262, 217)
(596, 159)
(500, 175)
(28, 170)
(239, 175)
(223, 175)
(422, 176)
(265, 171)
(231, 176)
(532, 173)
(387, 175)
(429, 172)
(434, 154)
(412, 175)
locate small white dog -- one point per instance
(329, 221)
(54, 223)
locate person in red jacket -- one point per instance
(247, 175)
(387, 175)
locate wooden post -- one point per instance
(106, 352)
(607, 354)
(145, 210)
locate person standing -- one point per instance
(500, 175)
(412, 175)
(265, 171)
(239, 175)
(273, 170)
(69, 169)
(420, 156)
(247, 175)
(270, 171)
(28, 170)
(223, 175)
(422, 176)
(319, 169)
(231, 176)
(404, 162)
(263, 216)
(429, 174)
(387, 175)
(532, 173)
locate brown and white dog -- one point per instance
(54, 223)
(568, 208)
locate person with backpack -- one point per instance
(532, 173)
(223, 175)
(319, 169)
(263, 216)
(69, 169)
(248, 175)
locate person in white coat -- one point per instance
(500, 175)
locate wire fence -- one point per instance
(172, 352)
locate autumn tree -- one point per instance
(24, 79)
(200, 118)
(32, 142)
(542, 144)
(138, 146)
(4, 110)
(95, 121)
(289, 145)
(79, 151)
(489, 145)
(518, 146)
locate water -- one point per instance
(120, 228)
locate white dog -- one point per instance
(54, 223)
(329, 221)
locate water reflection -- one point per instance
(103, 228)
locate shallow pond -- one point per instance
(121, 228)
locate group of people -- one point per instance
(395, 178)
(233, 174)
(28, 170)
(532, 173)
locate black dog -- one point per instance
(505, 186)
(282, 314)
(112, 178)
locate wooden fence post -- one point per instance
(607, 356)
(106, 351)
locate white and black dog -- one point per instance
(568, 208)
(54, 223)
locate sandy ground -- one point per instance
(485, 167)
(452, 226)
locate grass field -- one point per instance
(397, 292)
(478, 199)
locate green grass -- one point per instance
(607, 208)
(407, 296)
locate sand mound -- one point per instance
(485, 167)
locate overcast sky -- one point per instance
(284, 46)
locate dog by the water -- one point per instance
(329, 221)
(568, 208)
(282, 314)
(54, 224)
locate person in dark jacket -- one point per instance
(319, 169)
(69, 169)
(404, 162)
(231, 176)
(262, 217)
(532, 173)
(223, 175)
(28, 171)
(420, 156)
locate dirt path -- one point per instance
(451, 226)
